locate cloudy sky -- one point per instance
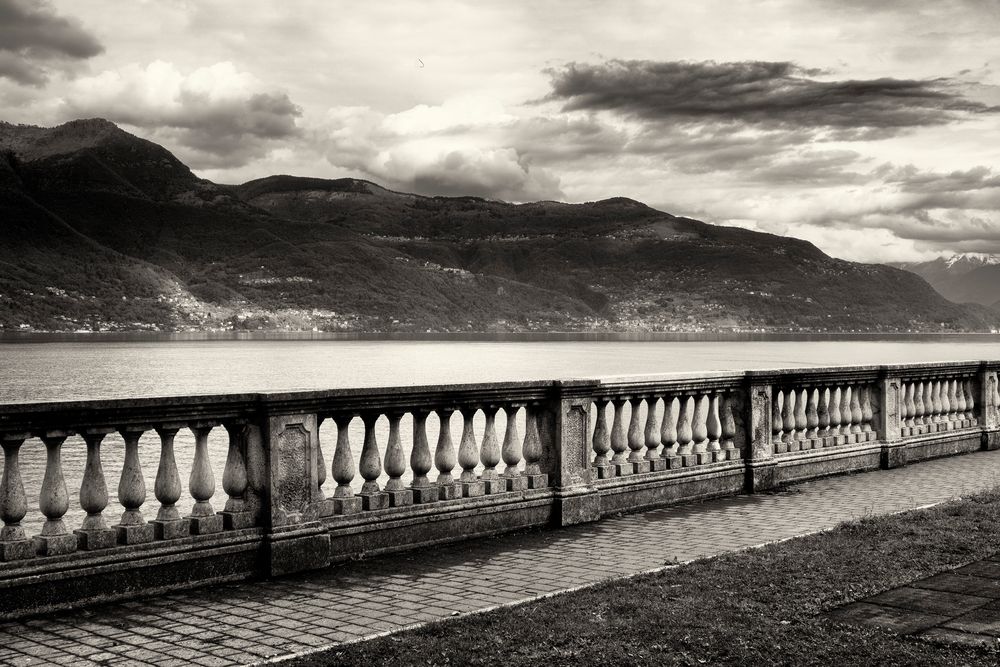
(871, 128)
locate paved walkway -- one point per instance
(960, 605)
(253, 622)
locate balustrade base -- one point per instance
(237, 520)
(657, 465)
(170, 529)
(495, 485)
(206, 525)
(519, 483)
(893, 456)
(689, 460)
(640, 467)
(991, 440)
(606, 471)
(425, 494)
(450, 490)
(348, 505)
(733, 454)
(473, 489)
(705, 457)
(622, 468)
(134, 534)
(400, 498)
(537, 481)
(16, 550)
(54, 545)
(94, 539)
(317, 510)
(674, 462)
(374, 501)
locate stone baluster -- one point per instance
(235, 481)
(919, 409)
(970, 402)
(812, 416)
(823, 415)
(420, 461)
(857, 414)
(532, 449)
(867, 412)
(801, 398)
(53, 501)
(713, 429)
(94, 533)
(343, 469)
(490, 453)
(132, 527)
(960, 405)
(685, 433)
(602, 441)
(370, 467)
(652, 437)
(699, 428)
(846, 415)
(512, 452)
(668, 432)
(835, 417)
(14, 544)
(635, 438)
(395, 465)
(468, 456)
(788, 419)
(932, 400)
(444, 458)
(909, 409)
(619, 440)
(728, 416)
(938, 403)
(168, 524)
(201, 484)
(777, 422)
(949, 400)
(320, 463)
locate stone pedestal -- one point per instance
(11, 550)
(449, 490)
(640, 467)
(604, 471)
(238, 520)
(991, 440)
(54, 545)
(493, 485)
(689, 460)
(374, 501)
(304, 546)
(140, 534)
(347, 505)
(99, 538)
(892, 456)
(425, 494)
(170, 529)
(514, 484)
(473, 489)
(400, 497)
(673, 462)
(206, 525)
(622, 468)
(657, 465)
(537, 481)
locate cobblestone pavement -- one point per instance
(253, 622)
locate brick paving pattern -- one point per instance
(962, 606)
(246, 623)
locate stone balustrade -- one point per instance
(417, 465)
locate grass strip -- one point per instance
(755, 607)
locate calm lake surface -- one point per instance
(60, 367)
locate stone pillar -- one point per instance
(888, 420)
(761, 468)
(568, 455)
(293, 542)
(988, 400)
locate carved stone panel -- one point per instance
(760, 423)
(889, 411)
(575, 449)
(291, 468)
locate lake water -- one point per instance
(42, 368)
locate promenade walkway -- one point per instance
(253, 622)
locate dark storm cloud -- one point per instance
(217, 133)
(34, 39)
(764, 94)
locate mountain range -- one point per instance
(962, 278)
(106, 231)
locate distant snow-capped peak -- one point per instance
(981, 258)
